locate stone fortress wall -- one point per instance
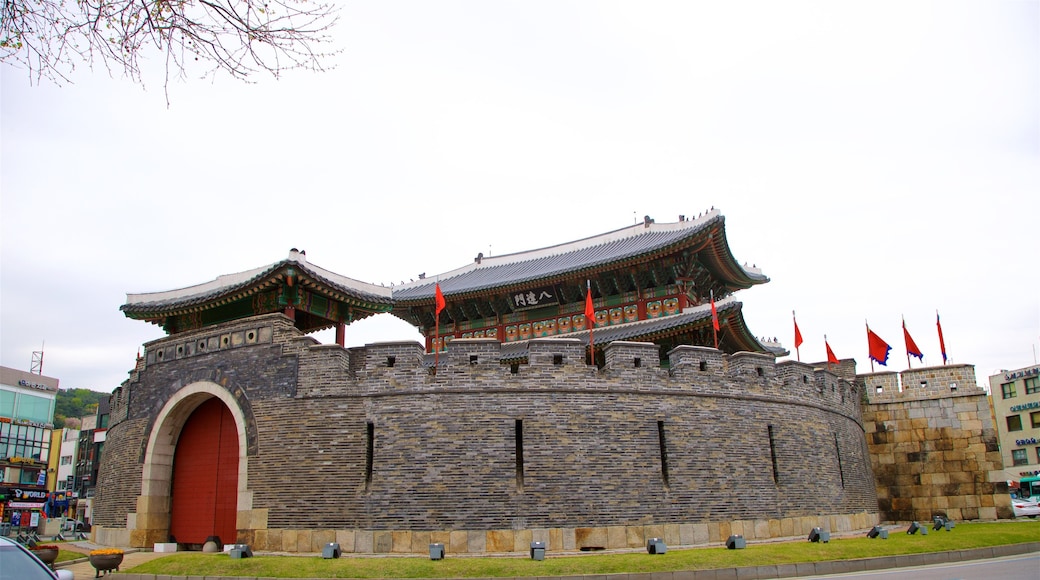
(933, 445)
(372, 448)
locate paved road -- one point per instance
(1025, 567)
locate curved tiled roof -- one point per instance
(576, 256)
(247, 282)
(691, 316)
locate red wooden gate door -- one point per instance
(205, 476)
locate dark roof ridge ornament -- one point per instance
(297, 256)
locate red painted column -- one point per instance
(341, 333)
(290, 311)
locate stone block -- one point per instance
(364, 542)
(382, 542)
(500, 541)
(476, 543)
(617, 537)
(634, 536)
(290, 540)
(420, 542)
(556, 539)
(401, 541)
(455, 541)
(569, 542)
(321, 538)
(303, 541)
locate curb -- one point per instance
(749, 572)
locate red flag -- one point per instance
(590, 319)
(590, 311)
(714, 314)
(439, 297)
(942, 344)
(797, 335)
(830, 353)
(878, 348)
(911, 346)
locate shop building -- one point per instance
(1016, 406)
(27, 403)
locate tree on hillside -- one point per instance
(240, 37)
(75, 403)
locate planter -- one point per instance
(104, 563)
(47, 556)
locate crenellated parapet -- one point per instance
(919, 384)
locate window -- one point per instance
(1038, 454)
(1008, 390)
(1034, 418)
(1018, 457)
(67, 459)
(1014, 423)
(1032, 385)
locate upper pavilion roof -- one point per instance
(634, 243)
(230, 288)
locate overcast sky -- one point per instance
(877, 160)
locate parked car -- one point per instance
(18, 563)
(1025, 507)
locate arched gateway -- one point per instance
(511, 433)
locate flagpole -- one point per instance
(590, 322)
(868, 346)
(714, 321)
(797, 350)
(908, 365)
(827, 345)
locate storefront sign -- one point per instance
(1022, 373)
(1030, 441)
(28, 460)
(38, 386)
(26, 423)
(28, 494)
(1024, 406)
(24, 505)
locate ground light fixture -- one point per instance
(656, 546)
(436, 551)
(736, 542)
(241, 551)
(878, 531)
(331, 550)
(537, 550)
(819, 535)
(914, 527)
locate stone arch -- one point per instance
(154, 503)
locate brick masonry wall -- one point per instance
(933, 446)
(445, 444)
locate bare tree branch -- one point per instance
(239, 37)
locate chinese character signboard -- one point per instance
(535, 298)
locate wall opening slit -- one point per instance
(662, 444)
(370, 435)
(518, 437)
(772, 453)
(837, 453)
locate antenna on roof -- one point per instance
(36, 366)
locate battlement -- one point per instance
(485, 364)
(920, 384)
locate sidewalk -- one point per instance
(84, 571)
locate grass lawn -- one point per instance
(963, 536)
